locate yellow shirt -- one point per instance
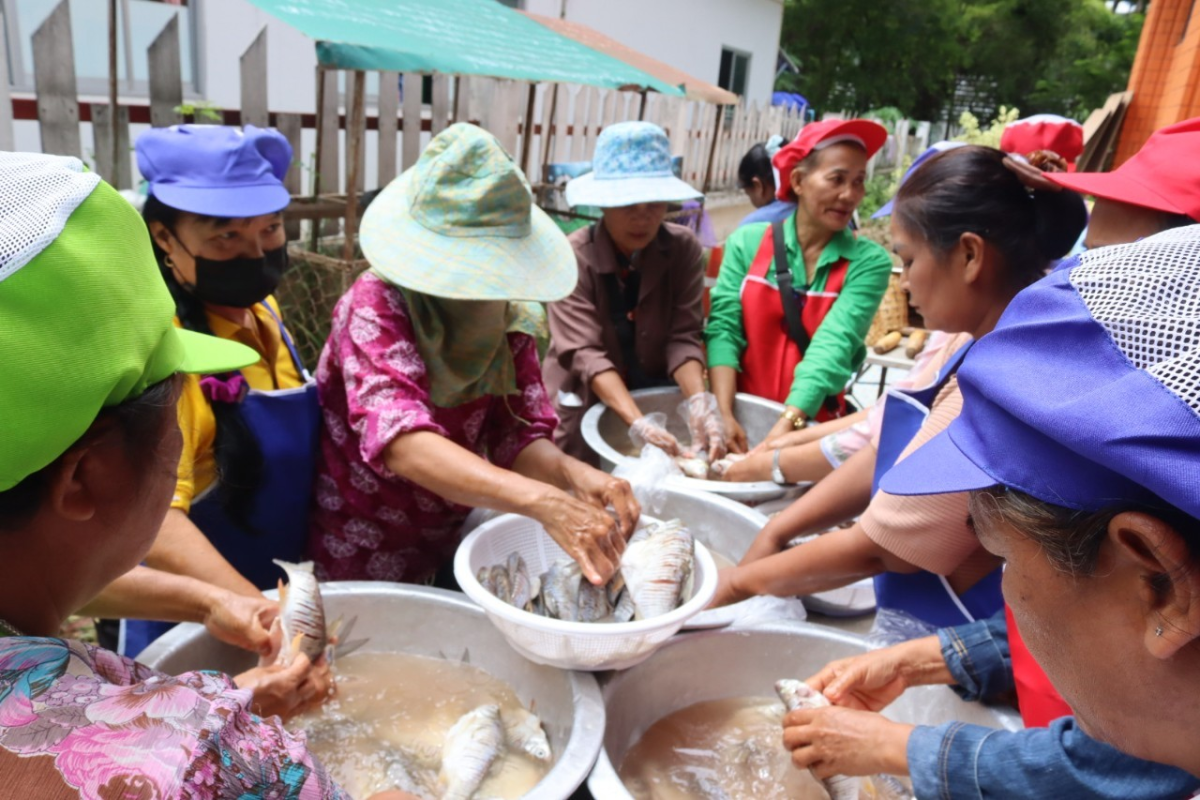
(275, 370)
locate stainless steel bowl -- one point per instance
(724, 526)
(740, 663)
(434, 622)
(608, 436)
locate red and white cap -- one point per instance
(1044, 132)
(817, 136)
(1163, 175)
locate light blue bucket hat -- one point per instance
(461, 224)
(632, 165)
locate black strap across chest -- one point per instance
(792, 300)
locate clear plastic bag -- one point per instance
(705, 425)
(647, 475)
(893, 626)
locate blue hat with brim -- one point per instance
(216, 170)
(1085, 395)
(632, 165)
(931, 151)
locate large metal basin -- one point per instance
(442, 624)
(608, 436)
(740, 663)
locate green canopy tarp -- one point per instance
(461, 37)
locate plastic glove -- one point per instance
(706, 425)
(651, 429)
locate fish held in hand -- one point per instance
(472, 746)
(302, 613)
(798, 694)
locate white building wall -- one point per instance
(687, 34)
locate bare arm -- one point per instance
(830, 561)
(183, 549)
(611, 390)
(144, 593)
(584, 530)
(690, 377)
(840, 496)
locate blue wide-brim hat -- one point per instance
(1087, 393)
(216, 170)
(632, 165)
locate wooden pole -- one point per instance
(355, 131)
(712, 150)
(547, 139)
(112, 88)
(315, 232)
(527, 142)
(642, 107)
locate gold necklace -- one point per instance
(8, 626)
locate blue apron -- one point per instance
(924, 595)
(286, 423)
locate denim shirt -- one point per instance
(958, 761)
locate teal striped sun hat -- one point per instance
(461, 224)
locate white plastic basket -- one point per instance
(557, 643)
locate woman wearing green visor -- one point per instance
(91, 361)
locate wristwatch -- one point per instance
(776, 472)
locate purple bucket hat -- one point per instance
(216, 170)
(1087, 393)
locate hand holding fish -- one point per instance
(706, 426)
(646, 430)
(833, 741)
(588, 533)
(286, 691)
(241, 621)
(604, 491)
(873, 680)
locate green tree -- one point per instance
(1057, 56)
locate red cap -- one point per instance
(1044, 132)
(816, 135)
(1163, 175)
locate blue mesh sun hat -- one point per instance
(632, 165)
(1087, 393)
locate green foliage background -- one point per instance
(1043, 56)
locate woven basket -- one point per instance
(893, 311)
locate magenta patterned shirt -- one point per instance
(367, 523)
(112, 728)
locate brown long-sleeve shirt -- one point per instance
(583, 340)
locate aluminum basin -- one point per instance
(401, 618)
(608, 436)
(724, 526)
(740, 663)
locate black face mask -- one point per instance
(238, 282)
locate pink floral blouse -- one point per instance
(108, 727)
(369, 524)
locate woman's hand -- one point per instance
(873, 680)
(735, 434)
(241, 621)
(728, 591)
(604, 491)
(645, 430)
(288, 691)
(754, 467)
(843, 741)
(772, 539)
(588, 533)
(705, 425)
(782, 427)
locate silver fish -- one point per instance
(623, 609)
(521, 586)
(484, 576)
(798, 694)
(502, 583)
(657, 568)
(302, 616)
(693, 467)
(472, 745)
(592, 602)
(560, 590)
(523, 731)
